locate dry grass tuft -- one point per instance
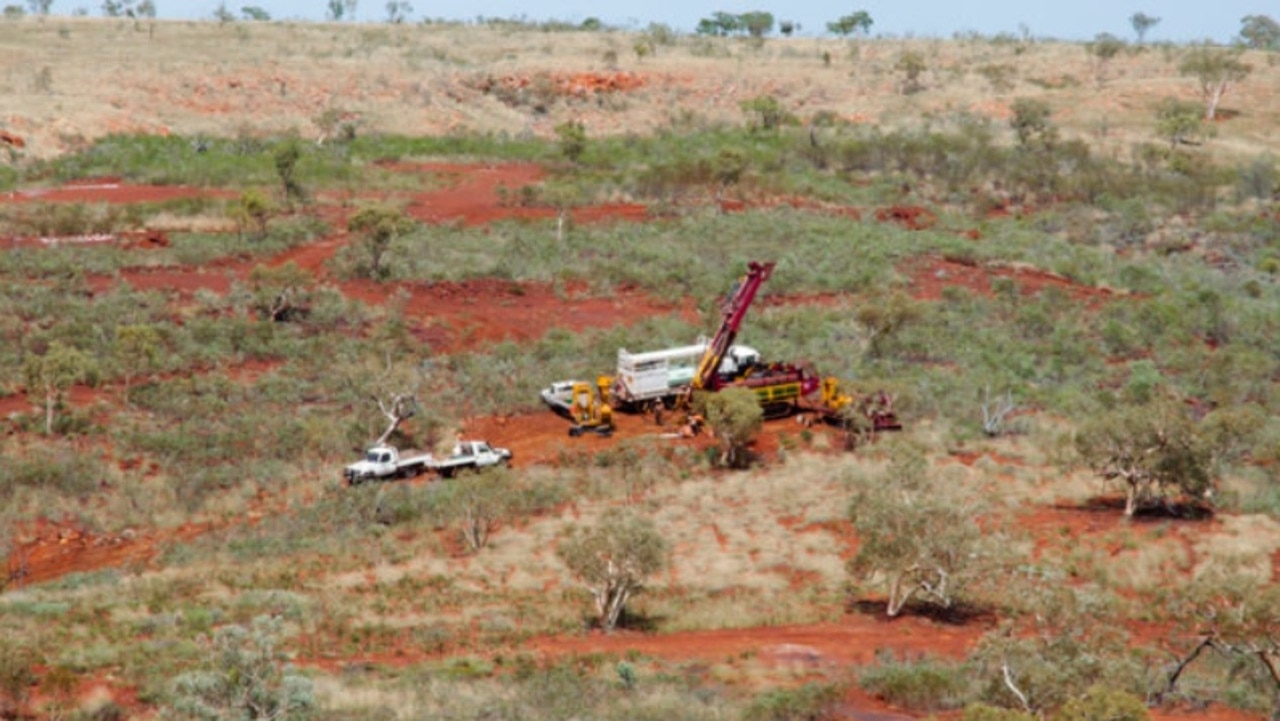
(1250, 541)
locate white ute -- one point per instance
(385, 462)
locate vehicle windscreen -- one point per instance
(378, 457)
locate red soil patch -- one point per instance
(968, 458)
(184, 283)
(543, 437)
(484, 194)
(19, 403)
(450, 316)
(87, 693)
(1209, 713)
(584, 83)
(80, 396)
(110, 190)
(911, 217)
(1101, 524)
(49, 550)
(1054, 527)
(480, 313)
(12, 140)
(855, 640)
(931, 276)
(568, 84)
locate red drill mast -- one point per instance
(732, 311)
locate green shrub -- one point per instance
(1103, 704)
(572, 135)
(57, 468)
(1053, 669)
(766, 112)
(810, 701)
(1258, 178)
(245, 676)
(911, 64)
(924, 685)
(1001, 76)
(17, 677)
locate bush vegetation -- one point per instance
(237, 401)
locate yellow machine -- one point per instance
(833, 398)
(877, 407)
(588, 410)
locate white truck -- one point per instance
(661, 375)
(382, 463)
(642, 379)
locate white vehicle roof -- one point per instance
(680, 352)
(684, 352)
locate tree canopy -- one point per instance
(855, 22)
(613, 559)
(1142, 23)
(918, 536)
(1215, 70)
(1152, 450)
(51, 373)
(377, 226)
(1260, 32)
(735, 417)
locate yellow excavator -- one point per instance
(587, 408)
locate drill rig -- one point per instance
(778, 386)
(781, 388)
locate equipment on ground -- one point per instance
(646, 379)
(836, 406)
(669, 377)
(732, 311)
(781, 388)
(583, 404)
(778, 386)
